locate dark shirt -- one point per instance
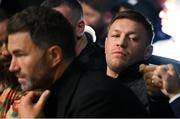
(80, 93)
(175, 105)
(156, 106)
(92, 56)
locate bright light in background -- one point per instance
(170, 18)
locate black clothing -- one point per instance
(175, 105)
(156, 106)
(92, 56)
(89, 94)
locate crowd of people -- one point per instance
(51, 66)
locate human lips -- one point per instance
(119, 52)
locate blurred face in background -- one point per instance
(77, 23)
(92, 17)
(4, 54)
(170, 18)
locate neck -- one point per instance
(80, 44)
(111, 73)
(61, 68)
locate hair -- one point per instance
(100, 5)
(3, 15)
(47, 27)
(137, 17)
(74, 5)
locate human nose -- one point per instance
(14, 65)
(123, 41)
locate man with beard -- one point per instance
(88, 52)
(42, 44)
(98, 15)
(9, 87)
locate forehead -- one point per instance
(127, 25)
(19, 41)
(88, 9)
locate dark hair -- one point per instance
(3, 15)
(137, 17)
(47, 27)
(74, 5)
(100, 5)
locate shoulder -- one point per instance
(100, 97)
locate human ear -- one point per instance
(148, 52)
(55, 55)
(80, 28)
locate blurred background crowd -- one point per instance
(164, 14)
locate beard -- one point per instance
(41, 77)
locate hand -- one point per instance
(163, 77)
(149, 77)
(171, 81)
(32, 104)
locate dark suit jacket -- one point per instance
(88, 94)
(175, 105)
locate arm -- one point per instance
(165, 78)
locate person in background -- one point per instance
(98, 15)
(9, 87)
(121, 5)
(128, 44)
(169, 21)
(163, 79)
(41, 63)
(88, 52)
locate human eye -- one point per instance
(133, 38)
(19, 54)
(115, 35)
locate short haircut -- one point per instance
(100, 5)
(47, 27)
(74, 5)
(3, 15)
(137, 17)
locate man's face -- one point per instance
(4, 54)
(29, 63)
(92, 17)
(125, 44)
(72, 18)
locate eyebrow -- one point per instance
(130, 32)
(17, 51)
